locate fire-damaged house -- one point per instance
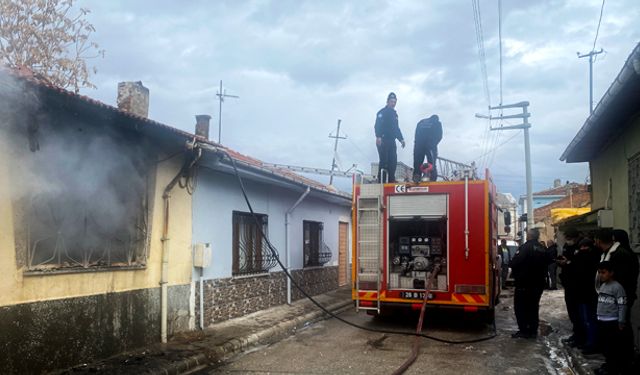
(109, 220)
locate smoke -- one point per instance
(77, 180)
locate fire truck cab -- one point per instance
(403, 230)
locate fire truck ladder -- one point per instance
(369, 246)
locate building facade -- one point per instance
(82, 229)
(609, 140)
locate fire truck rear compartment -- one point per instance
(415, 245)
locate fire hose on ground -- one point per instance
(416, 343)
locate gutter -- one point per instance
(287, 215)
(629, 70)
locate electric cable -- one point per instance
(274, 253)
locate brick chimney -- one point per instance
(133, 97)
(202, 125)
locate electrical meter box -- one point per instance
(201, 255)
(605, 218)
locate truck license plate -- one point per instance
(413, 295)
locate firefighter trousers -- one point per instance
(420, 151)
(388, 159)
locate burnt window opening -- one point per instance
(81, 198)
(316, 252)
(251, 253)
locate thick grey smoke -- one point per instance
(77, 182)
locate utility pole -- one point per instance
(337, 137)
(221, 95)
(527, 149)
(590, 56)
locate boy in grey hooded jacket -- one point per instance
(612, 317)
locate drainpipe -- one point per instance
(164, 276)
(287, 215)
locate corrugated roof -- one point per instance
(611, 115)
(27, 75)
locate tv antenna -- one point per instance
(221, 95)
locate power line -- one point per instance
(477, 18)
(496, 147)
(598, 29)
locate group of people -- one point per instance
(599, 276)
(427, 136)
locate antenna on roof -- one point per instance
(221, 95)
(337, 137)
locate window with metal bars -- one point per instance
(316, 252)
(250, 251)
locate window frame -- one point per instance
(259, 260)
(311, 251)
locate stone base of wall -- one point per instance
(43, 336)
(234, 297)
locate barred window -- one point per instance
(316, 252)
(82, 199)
(250, 251)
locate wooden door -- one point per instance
(343, 241)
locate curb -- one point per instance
(235, 346)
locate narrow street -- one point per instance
(331, 347)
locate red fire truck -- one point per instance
(403, 230)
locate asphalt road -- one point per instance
(331, 347)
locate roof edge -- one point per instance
(631, 67)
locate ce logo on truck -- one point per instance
(401, 188)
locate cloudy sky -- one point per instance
(299, 66)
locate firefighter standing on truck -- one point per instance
(387, 131)
(428, 135)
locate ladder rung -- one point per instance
(368, 241)
(367, 258)
(375, 274)
(368, 209)
(368, 225)
(367, 307)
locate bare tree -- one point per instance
(51, 38)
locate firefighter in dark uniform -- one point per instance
(428, 135)
(387, 131)
(529, 268)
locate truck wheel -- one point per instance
(489, 315)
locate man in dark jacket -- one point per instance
(585, 263)
(387, 131)
(529, 268)
(569, 283)
(428, 135)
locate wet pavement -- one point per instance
(331, 347)
(298, 339)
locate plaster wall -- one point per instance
(218, 195)
(611, 164)
(16, 288)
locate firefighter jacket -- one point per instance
(429, 131)
(386, 126)
(529, 265)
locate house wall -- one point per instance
(58, 320)
(215, 199)
(612, 164)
